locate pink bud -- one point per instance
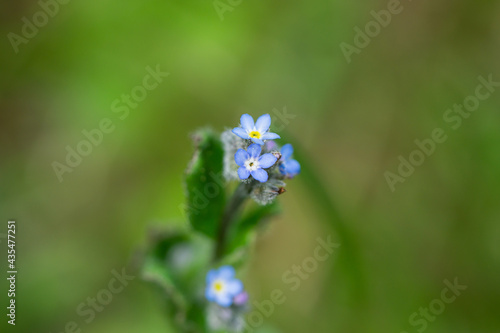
(241, 298)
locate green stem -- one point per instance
(232, 209)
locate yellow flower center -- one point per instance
(218, 286)
(255, 134)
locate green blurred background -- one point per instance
(350, 123)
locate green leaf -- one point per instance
(205, 184)
(177, 263)
(156, 271)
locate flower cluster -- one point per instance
(250, 154)
(260, 156)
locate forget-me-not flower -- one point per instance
(257, 132)
(289, 167)
(222, 286)
(252, 163)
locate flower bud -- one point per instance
(240, 299)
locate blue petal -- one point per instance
(243, 172)
(209, 293)
(226, 272)
(211, 276)
(234, 287)
(241, 133)
(270, 136)
(267, 160)
(257, 141)
(263, 123)
(224, 300)
(241, 156)
(254, 150)
(292, 167)
(260, 175)
(286, 151)
(282, 169)
(246, 122)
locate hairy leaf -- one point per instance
(205, 184)
(177, 263)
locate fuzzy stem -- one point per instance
(232, 209)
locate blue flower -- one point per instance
(257, 132)
(251, 163)
(222, 286)
(289, 167)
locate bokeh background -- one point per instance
(350, 123)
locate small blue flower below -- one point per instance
(289, 167)
(251, 163)
(257, 132)
(222, 286)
